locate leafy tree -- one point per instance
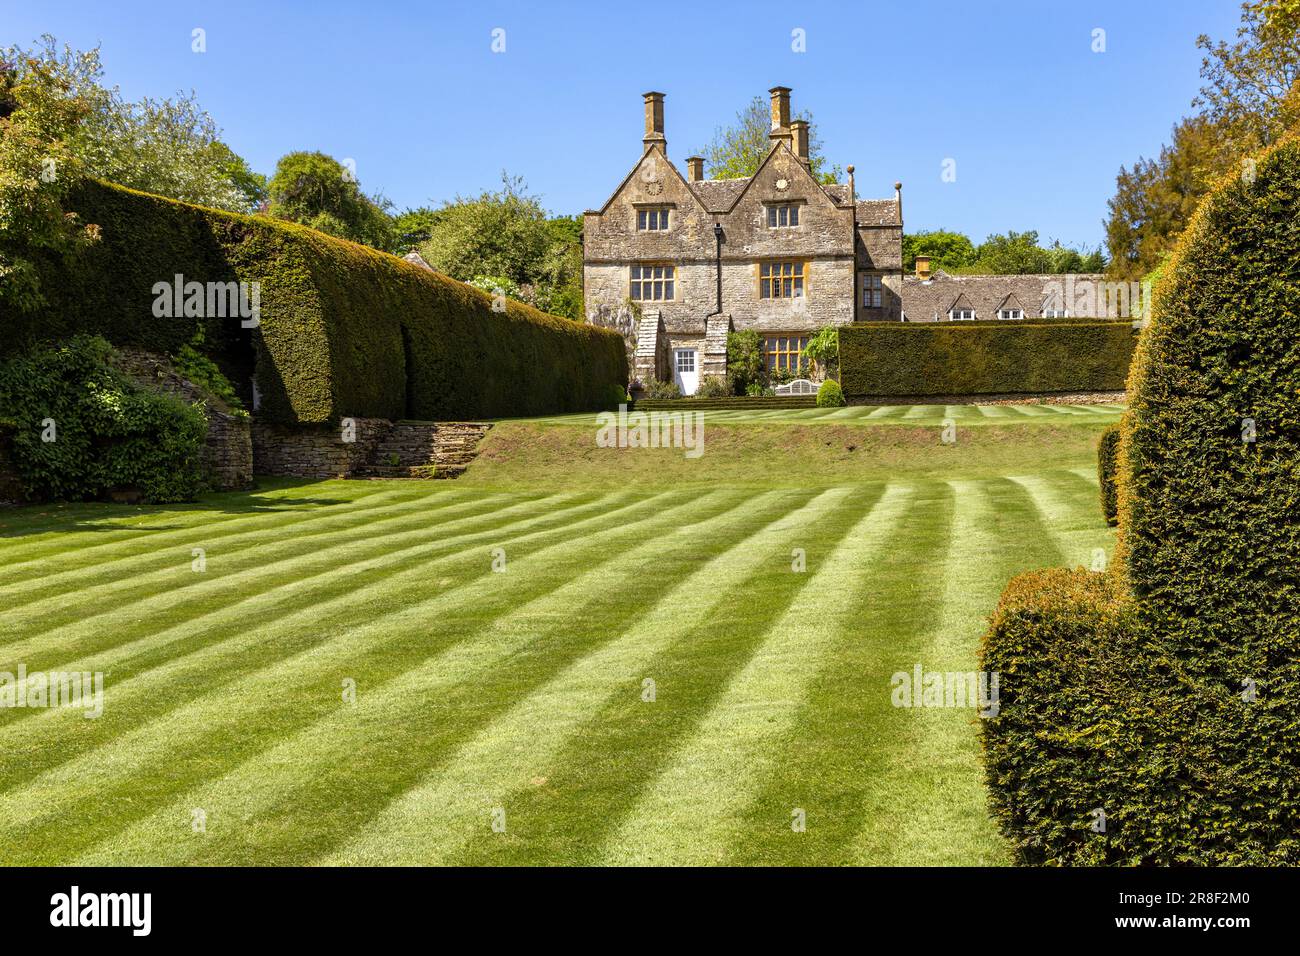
(412, 227)
(738, 150)
(167, 146)
(506, 233)
(1016, 253)
(318, 191)
(1252, 87)
(1251, 97)
(745, 366)
(949, 251)
(823, 350)
(39, 114)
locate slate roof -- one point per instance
(878, 212)
(930, 301)
(718, 195)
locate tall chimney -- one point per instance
(694, 168)
(923, 268)
(654, 121)
(799, 134)
(780, 115)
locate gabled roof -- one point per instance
(1011, 302)
(926, 301)
(961, 302)
(661, 156)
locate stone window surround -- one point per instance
(780, 359)
(668, 282)
(771, 211)
(873, 290)
(799, 285)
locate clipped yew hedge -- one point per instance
(1167, 691)
(1107, 465)
(344, 330)
(884, 359)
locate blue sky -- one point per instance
(1037, 122)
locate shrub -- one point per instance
(107, 432)
(829, 394)
(1179, 715)
(960, 358)
(713, 386)
(344, 330)
(745, 364)
(1107, 462)
(617, 397)
(660, 389)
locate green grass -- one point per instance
(523, 690)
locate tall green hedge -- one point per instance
(1107, 465)
(1167, 692)
(345, 330)
(960, 358)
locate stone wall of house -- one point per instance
(316, 451)
(228, 449)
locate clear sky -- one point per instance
(1037, 122)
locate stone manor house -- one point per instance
(777, 252)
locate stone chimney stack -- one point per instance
(799, 136)
(694, 168)
(780, 115)
(923, 268)
(654, 121)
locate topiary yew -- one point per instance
(1166, 693)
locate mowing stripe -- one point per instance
(213, 733)
(846, 730)
(165, 665)
(431, 823)
(71, 550)
(708, 783)
(592, 784)
(939, 752)
(346, 749)
(144, 571)
(134, 615)
(1069, 510)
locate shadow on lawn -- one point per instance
(21, 520)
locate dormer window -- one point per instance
(653, 219)
(962, 315)
(786, 214)
(1010, 314)
(1056, 313)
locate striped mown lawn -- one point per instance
(647, 678)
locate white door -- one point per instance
(684, 373)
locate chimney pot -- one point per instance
(923, 268)
(694, 168)
(654, 120)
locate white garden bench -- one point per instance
(800, 386)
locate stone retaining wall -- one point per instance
(316, 451)
(228, 451)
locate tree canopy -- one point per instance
(1016, 253)
(319, 191)
(505, 239)
(1250, 98)
(737, 151)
